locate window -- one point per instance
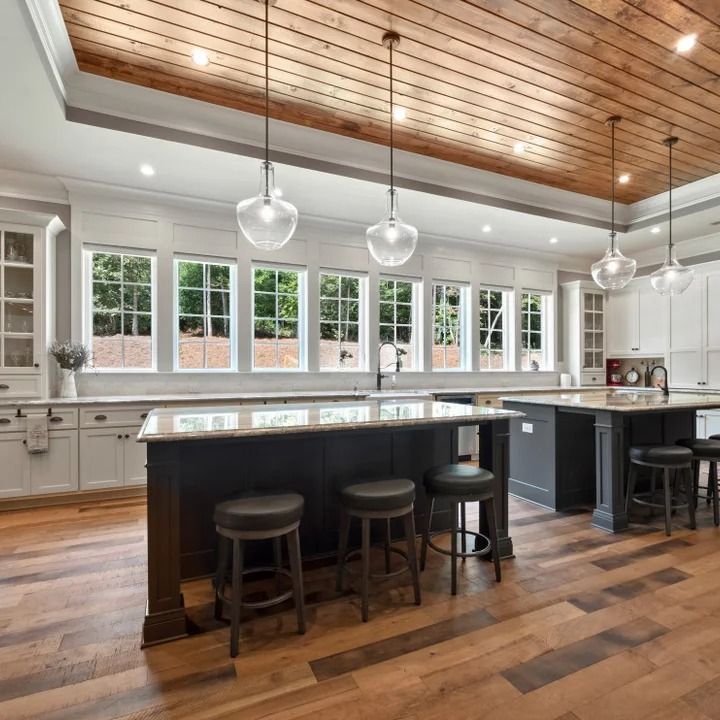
(277, 296)
(448, 352)
(492, 335)
(340, 326)
(204, 315)
(533, 331)
(121, 310)
(397, 303)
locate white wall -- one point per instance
(121, 218)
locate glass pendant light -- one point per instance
(391, 242)
(614, 271)
(267, 221)
(672, 278)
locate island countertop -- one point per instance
(622, 400)
(205, 423)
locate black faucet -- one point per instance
(665, 386)
(379, 377)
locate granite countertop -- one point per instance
(626, 400)
(203, 423)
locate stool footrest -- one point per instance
(378, 576)
(639, 499)
(472, 553)
(259, 604)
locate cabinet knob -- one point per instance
(143, 416)
(126, 436)
(488, 402)
(119, 437)
(24, 442)
(37, 365)
(101, 417)
(3, 386)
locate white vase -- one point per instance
(68, 388)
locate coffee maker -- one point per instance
(613, 375)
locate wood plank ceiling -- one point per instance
(475, 76)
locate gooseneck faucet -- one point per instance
(666, 385)
(379, 377)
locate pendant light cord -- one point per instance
(392, 169)
(267, 98)
(670, 185)
(612, 206)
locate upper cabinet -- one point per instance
(585, 327)
(636, 321)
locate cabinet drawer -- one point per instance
(597, 378)
(488, 401)
(111, 417)
(20, 386)
(63, 419)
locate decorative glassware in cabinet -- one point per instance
(18, 248)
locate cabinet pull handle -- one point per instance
(101, 417)
(5, 421)
(143, 416)
(56, 419)
(3, 386)
(24, 442)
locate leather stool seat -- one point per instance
(714, 437)
(459, 480)
(662, 455)
(709, 448)
(379, 495)
(260, 511)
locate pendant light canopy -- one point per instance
(267, 221)
(672, 278)
(614, 270)
(391, 242)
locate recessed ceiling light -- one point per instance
(147, 170)
(624, 179)
(553, 240)
(399, 113)
(655, 230)
(519, 148)
(687, 42)
(200, 57)
(486, 228)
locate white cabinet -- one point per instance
(15, 475)
(584, 336)
(57, 469)
(636, 321)
(111, 457)
(134, 458)
(623, 323)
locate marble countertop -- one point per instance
(203, 423)
(624, 400)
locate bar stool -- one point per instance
(267, 516)
(381, 500)
(706, 451)
(461, 484)
(668, 458)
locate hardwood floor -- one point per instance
(584, 625)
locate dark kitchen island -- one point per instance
(571, 449)
(200, 456)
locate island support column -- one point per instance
(165, 612)
(609, 513)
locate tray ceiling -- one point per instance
(476, 77)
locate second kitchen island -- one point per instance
(200, 456)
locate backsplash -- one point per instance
(640, 364)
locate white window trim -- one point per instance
(507, 315)
(88, 251)
(545, 336)
(178, 258)
(465, 312)
(302, 272)
(416, 321)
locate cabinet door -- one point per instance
(622, 323)
(686, 319)
(134, 457)
(57, 469)
(653, 322)
(685, 368)
(101, 458)
(15, 476)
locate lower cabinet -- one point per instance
(15, 475)
(111, 457)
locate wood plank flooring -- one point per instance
(584, 626)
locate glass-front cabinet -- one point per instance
(593, 330)
(585, 327)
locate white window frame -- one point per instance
(362, 317)
(232, 264)
(302, 316)
(506, 314)
(463, 329)
(545, 307)
(415, 319)
(88, 252)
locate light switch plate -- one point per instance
(527, 427)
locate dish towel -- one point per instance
(36, 432)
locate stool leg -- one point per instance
(696, 480)
(293, 540)
(708, 496)
(668, 500)
(492, 527)
(224, 547)
(688, 479)
(342, 549)
(237, 568)
(632, 476)
(387, 545)
(713, 478)
(426, 534)
(277, 561)
(409, 521)
(453, 548)
(365, 582)
(463, 547)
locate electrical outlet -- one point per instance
(527, 428)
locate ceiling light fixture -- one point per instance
(200, 57)
(147, 170)
(624, 179)
(671, 278)
(685, 43)
(267, 221)
(553, 241)
(614, 270)
(519, 148)
(655, 230)
(391, 241)
(486, 228)
(399, 113)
